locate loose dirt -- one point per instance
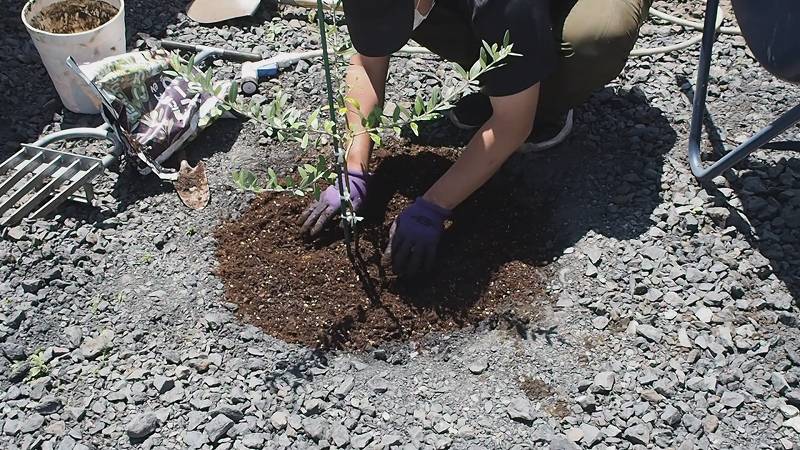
(491, 263)
(74, 16)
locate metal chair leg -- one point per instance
(766, 134)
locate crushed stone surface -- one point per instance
(672, 320)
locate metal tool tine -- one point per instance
(41, 194)
(28, 167)
(13, 161)
(74, 185)
(32, 184)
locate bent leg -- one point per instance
(596, 37)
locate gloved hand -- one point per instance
(414, 237)
(321, 211)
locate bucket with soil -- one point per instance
(87, 30)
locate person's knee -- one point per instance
(605, 29)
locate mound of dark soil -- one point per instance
(74, 16)
(490, 263)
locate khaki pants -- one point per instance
(595, 36)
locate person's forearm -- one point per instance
(481, 159)
(366, 81)
(488, 149)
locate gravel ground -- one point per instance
(673, 321)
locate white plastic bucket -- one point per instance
(88, 46)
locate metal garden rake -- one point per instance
(36, 180)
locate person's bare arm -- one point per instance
(366, 81)
(492, 145)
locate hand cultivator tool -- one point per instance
(150, 113)
(39, 179)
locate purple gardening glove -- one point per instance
(414, 237)
(321, 211)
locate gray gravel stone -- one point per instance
(16, 233)
(315, 427)
(174, 395)
(600, 322)
(779, 383)
(218, 427)
(704, 314)
(15, 319)
(793, 397)
(141, 426)
(691, 423)
(478, 366)
(574, 434)
(732, 399)
(650, 333)
(587, 402)
(279, 419)
(13, 351)
(254, 440)
(591, 435)
(93, 347)
(77, 412)
(231, 412)
(195, 439)
(671, 415)
(521, 410)
(361, 440)
(32, 423)
(31, 285)
(710, 424)
(637, 434)
(344, 387)
(378, 384)
(74, 336)
(604, 382)
(707, 383)
(19, 371)
(163, 384)
(654, 253)
(67, 443)
(340, 435)
(48, 405)
(793, 423)
(781, 300)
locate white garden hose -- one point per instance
(688, 24)
(331, 4)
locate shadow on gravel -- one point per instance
(493, 260)
(131, 186)
(218, 138)
(606, 178)
(770, 196)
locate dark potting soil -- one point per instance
(74, 16)
(490, 265)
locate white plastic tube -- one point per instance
(88, 46)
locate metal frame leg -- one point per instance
(763, 136)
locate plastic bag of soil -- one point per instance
(156, 102)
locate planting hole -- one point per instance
(490, 265)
